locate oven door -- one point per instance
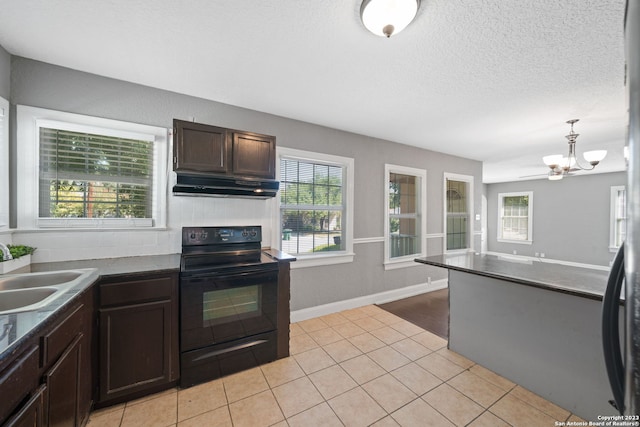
(217, 308)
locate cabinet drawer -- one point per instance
(136, 291)
(18, 380)
(58, 339)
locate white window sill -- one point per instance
(614, 249)
(303, 261)
(519, 242)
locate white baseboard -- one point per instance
(379, 298)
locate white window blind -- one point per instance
(87, 175)
(312, 208)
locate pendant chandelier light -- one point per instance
(561, 166)
(386, 17)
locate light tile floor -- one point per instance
(361, 367)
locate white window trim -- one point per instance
(405, 261)
(29, 119)
(612, 217)
(469, 179)
(338, 257)
(529, 241)
(4, 165)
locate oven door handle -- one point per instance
(223, 276)
(215, 353)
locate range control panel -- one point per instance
(192, 236)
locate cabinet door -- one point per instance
(63, 382)
(19, 379)
(200, 148)
(254, 155)
(32, 413)
(135, 348)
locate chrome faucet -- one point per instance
(6, 254)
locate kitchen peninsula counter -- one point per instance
(536, 323)
(579, 281)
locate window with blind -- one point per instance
(91, 172)
(404, 222)
(315, 207)
(515, 217)
(618, 231)
(311, 206)
(85, 175)
(458, 211)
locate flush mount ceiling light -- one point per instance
(561, 166)
(386, 17)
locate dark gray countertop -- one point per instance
(25, 323)
(583, 282)
(19, 326)
(108, 266)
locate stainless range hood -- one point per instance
(225, 186)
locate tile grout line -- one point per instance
(439, 352)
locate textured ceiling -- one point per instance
(491, 80)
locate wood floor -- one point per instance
(430, 311)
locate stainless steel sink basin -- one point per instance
(33, 291)
(24, 297)
(37, 280)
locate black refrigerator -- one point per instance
(621, 342)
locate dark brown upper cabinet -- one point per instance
(254, 155)
(200, 148)
(205, 149)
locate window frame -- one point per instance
(407, 260)
(469, 179)
(319, 258)
(4, 165)
(30, 119)
(501, 197)
(613, 217)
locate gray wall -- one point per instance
(48, 86)
(546, 341)
(5, 73)
(570, 217)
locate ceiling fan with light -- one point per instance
(561, 166)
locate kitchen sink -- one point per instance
(37, 280)
(10, 301)
(32, 291)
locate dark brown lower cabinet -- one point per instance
(49, 383)
(138, 344)
(32, 413)
(63, 385)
